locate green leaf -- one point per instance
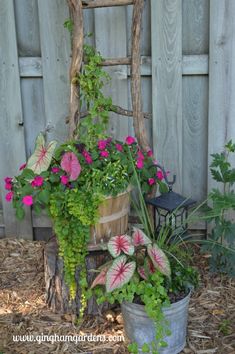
(27, 174)
(145, 348)
(20, 213)
(163, 188)
(43, 196)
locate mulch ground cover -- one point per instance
(23, 310)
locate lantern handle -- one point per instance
(169, 183)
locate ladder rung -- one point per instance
(91, 4)
(116, 61)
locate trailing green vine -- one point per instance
(72, 217)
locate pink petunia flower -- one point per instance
(22, 167)
(160, 175)
(104, 153)
(27, 200)
(150, 153)
(87, 156)
(102, 144)
(8, 186)
(9, 196)
(8, 179)
(119, 147)
(139, 164)
(130, 140)
(151, 181)
(55, 169)
(37, 182)
(64, 179)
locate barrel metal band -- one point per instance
(113, 217)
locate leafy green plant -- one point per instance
(71, 184)
(222, 236)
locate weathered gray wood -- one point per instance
(30, 66)
(195, 18)
(55, 47)
(191, 65)
(195, 64)
(145, 43)
(110, 37)
(33, 110)
(11, 133)
(221, 125)
(195, 132)
(27, 27)
(167, 84)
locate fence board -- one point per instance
(167, 84)
(195, 15)
(33, 110)
(11, 115)
(110, 38)
(221, 77)
(195, 112)
(55, 48)
(27, 27)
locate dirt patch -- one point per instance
(23, 311)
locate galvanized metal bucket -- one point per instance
(140, 328)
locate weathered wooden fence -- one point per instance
(190, 93)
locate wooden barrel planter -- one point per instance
(113, 221)
(113, 218)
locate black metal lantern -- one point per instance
(170, 208)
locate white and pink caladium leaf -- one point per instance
(142, 272)
(40, 160)
(101, 278)
(139, 238)
(71, 165)
(147, 269)
(119, 273)
(120, 243)
(159, 259)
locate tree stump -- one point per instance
(57, 292)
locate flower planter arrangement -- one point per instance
(85, 193)
(151, 278)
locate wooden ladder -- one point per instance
(76, 8)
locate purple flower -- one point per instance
(9, 196)
(37, 182)
(27, 200)
(104, 153)
(64, 179)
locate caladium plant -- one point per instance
(130, 253)
(40, 160)
(71, 165)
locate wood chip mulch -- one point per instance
(23, 311)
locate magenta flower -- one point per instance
(102, 144)
(130, 140)
(104, 153)
(22, 166)
(160, 175)
(27, 200)
(150, 153)
(140, 155)
(119, 147)
(139, 164)
(8, 186)
(8, 179)
(55, 170)
(37, 182)
(151, 181)
(64, 179)
(9, 196)
(87, 157)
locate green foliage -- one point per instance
(92, 79)
(222, 238)
(68, 24)
(225, 327)
(72, 217)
